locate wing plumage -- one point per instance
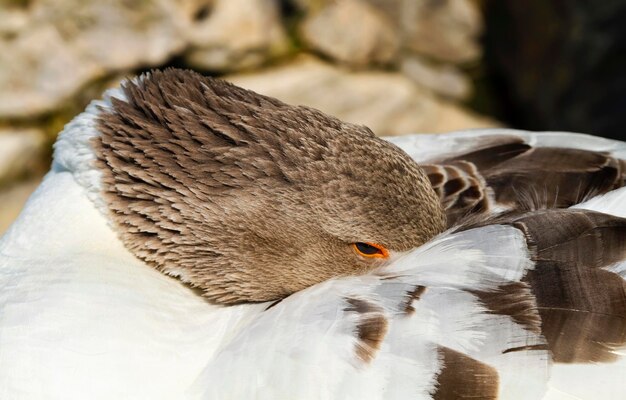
(504, 170)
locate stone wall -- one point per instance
(394, 65)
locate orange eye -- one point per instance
(370, 250)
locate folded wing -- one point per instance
(507, 170)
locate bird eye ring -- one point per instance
(370, 250)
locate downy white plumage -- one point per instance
(465, 315)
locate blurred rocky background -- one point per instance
(398, 66)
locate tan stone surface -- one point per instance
(236, 34)
(445, 80)
(445, 30)
(60, 45)
(20, 152)
(51, 49)
(352, 32)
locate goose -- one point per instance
(196, 240)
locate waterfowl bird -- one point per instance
(195, 240)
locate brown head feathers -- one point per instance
(248, 198)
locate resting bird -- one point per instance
(195, 240)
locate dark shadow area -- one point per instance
(555, 65)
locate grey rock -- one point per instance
(445, 30)
(236, 34)
(352, 32)
(20, 152)
(445, 79)
(51, 49)
(54, 47)
(12, 20)
(388, 103)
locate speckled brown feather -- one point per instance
(461, 189)
(246, 197)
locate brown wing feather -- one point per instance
(581, 303)
(477, 380)
(505, 173)
(460, 187)
(555, 177)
